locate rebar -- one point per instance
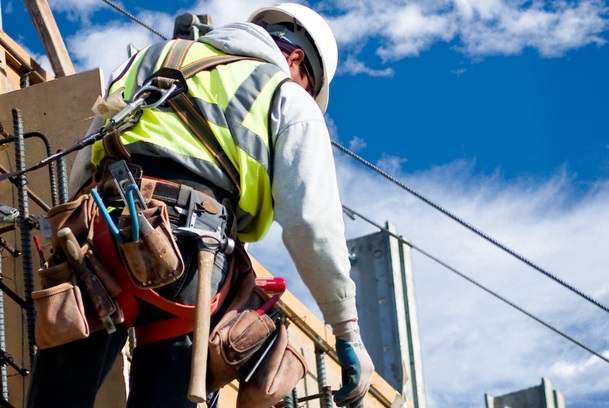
(3, 372)
(63, 180)
(291, 400)
(26, 246)
(52, 168)
(295, 397)
(288, 402)
(324, 390)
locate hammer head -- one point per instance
(210, 240)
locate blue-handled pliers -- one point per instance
(135, 224)
(104, 212)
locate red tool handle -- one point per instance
(271, 284)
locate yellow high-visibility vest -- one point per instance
(235, 99)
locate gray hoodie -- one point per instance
(305, 193)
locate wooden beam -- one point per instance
(51, 37)
(19, 62)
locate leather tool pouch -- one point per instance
(154, 260)
(238, 341)
(60, 314)
(77, 215)
(236, 338)
(63, 313)
(275, 377)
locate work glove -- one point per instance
(356, 365)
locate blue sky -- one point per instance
(495, 109)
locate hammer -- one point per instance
(209, 243)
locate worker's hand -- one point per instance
(355, 362)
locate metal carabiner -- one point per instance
(148, 87)
(137, 104)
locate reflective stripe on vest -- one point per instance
(235, 99)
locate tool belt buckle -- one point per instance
(207, 220)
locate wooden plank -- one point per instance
(15, 62)
(51, 37)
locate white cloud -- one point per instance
(479, 28)
(391, 164)
(356, 144)
(354, 66)
(507, 29)
(411, 29)
(106, 46)
(8, 8)
(473, 343)
(77, 10)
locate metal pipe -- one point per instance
(26, 246)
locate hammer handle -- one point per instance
(102, 302)
(196, 390)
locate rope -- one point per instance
(352, 213)
(472, 228)
(134, 18)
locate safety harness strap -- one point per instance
(199, 126)
(192, 117)
(208, 63)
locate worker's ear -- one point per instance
(296, 57)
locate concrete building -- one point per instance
(541, 396)
(381, 264)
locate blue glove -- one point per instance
(357, 367)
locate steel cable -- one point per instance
(134, 18)
(471, 227)
(351, 212)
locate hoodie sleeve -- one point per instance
(307, 204)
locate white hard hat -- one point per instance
(316, 40)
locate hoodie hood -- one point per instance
(246, 39)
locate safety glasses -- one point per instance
(311, 81)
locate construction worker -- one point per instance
(275, 131)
